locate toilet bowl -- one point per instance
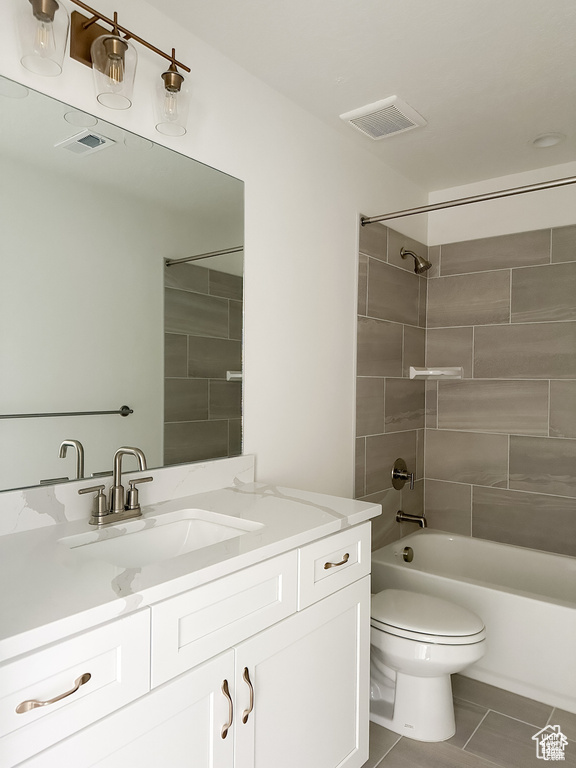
(416, 643)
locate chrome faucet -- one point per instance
(117, 509)
(77, 445)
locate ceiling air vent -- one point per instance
(85, 143)
(384, 118)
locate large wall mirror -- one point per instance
(91, 318)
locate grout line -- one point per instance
(475, 729)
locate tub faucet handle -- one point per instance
(400, 475)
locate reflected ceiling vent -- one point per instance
(384, 118)
(85, 143)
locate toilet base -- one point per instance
(422, 708)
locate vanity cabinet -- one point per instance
(243, 679)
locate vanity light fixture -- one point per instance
(113, 59)
(172, 101)
(43, 33)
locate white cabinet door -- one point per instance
(310, 677)
(177, 725)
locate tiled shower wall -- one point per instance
(390, 409)
(203, 340)
(500, 445)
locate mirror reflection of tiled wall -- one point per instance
(203, 340)
(500, 445)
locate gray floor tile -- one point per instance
(419, 754)
(468, 717)
(533, 712)
(381, 741)
(508, 743)
(566, 721)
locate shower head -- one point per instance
(420, 264)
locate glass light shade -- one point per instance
(172, 104)
(114, 66)
(43, 27)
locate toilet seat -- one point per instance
(424, 618)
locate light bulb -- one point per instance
(115, 72)
(44, 41)
(170, 107)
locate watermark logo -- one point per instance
(550, 743)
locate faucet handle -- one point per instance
(100, 509)
(132, 495)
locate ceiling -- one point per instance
(487, 75)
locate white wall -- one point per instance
(305, 186)
(520, 213)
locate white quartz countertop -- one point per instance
(50, 591)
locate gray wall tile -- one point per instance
(362, 284)
(369, 406)
(563, 408)
(211, 358)
(432, 404)
(379, 348)
(225, 399)
(185, 399)
(544, 293)
(235, 322)
(543, 464)
(434, 256)
(422, 301)
(360, 468)
(381, 453)
(405, 405)
(234, 437)
(518, 407)
(467, 457)
(195, 313)
(392, 293)
(175, 354)
(373, 240)
(528, 351)
(476, 299)
(385, 529)
(195, 440)
(447, 347)
(525, 519)
(518, 250)
(225, 285)
(564, 244)
(449, 506)
(414, 348)
(397, 241)
(188, 277)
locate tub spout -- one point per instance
(406, 517)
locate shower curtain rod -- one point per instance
(467, 200)
(236, 249)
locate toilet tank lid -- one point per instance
(424, 613)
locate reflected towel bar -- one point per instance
(236, 249)
(124, 410)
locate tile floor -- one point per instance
(493, 728)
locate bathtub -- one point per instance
(526, 598)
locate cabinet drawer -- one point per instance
(196, 625)
(332, 563)
(116, 658)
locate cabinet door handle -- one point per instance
(335, 565)
(246, 678)
(26, 706)
(228, 725)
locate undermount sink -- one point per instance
(150, 540)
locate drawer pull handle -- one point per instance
(26, 706)
(246, 677)
(335, 565)
(228, 725)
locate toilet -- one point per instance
(416, 643)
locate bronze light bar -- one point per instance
(96, 15)
(467, 200)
